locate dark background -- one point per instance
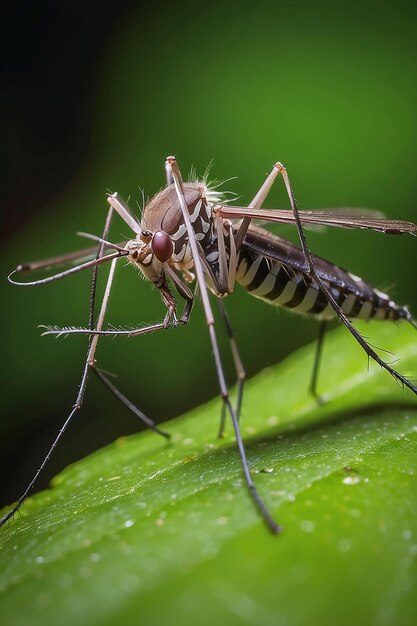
(95, 95)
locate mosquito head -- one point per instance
(149, 251)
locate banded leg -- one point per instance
(270, 522)
(342, 316)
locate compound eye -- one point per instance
(162, 246)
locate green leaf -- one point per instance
(149, 532)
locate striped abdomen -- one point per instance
(279, 279)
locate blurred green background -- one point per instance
(99, 94)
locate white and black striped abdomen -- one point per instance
(282, 282)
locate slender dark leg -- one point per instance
(80, 396)
(317, 359)
(94, 334)
(179, 186)
(311, 269)
(126, 402)
(89, 363)
(240, 370)
(28, 489)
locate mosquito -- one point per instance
(189, 235)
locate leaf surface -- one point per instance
(149, 532)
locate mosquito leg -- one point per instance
(268, 519)
(90, 355)
(170, 304)
(128, 404)
(240, 370)
(316, 365)
(75, 408)
(179, 186)
(134, 332)
(28, 489)
(311, 269)
(169, 301)
(101, 376)
(225, 284)
(100, 251)
(257, 203)
(78, 402)
(168, 322)
(169, 176)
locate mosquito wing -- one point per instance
(74, 257)
(70, 258)
(342, 218)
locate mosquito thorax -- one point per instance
(163, 218)
(163, 211)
